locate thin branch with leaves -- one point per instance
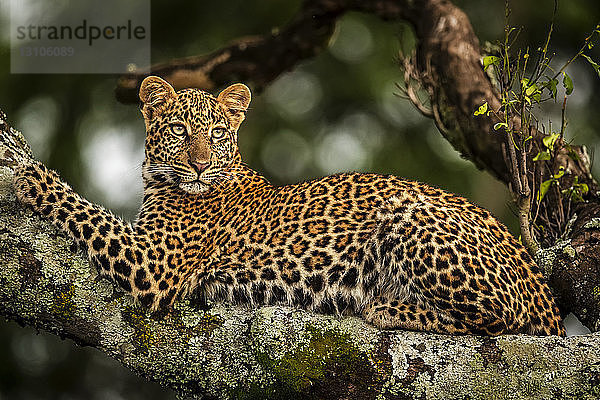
(529, 148)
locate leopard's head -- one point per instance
(191, 136)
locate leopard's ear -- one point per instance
(154, 93)
(236, 99)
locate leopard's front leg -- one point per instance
(112, 244)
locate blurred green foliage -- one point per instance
(336, 112)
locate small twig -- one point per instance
(412, 79)
(538, 176)
(512, 159)
(563, 121)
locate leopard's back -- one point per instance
(338, 243)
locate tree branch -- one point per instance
(270, 352)
(255, 60)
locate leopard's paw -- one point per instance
(31, 183)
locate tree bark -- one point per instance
(271, 352)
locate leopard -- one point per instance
(397, 253)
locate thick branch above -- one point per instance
(270, 352)
(254, 60)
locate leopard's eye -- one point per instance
(218, 132)
(178, 129)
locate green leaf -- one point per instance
(594, 64)
(552, 87)
(531, 90)
(560, 173)
(490, 60)
(542, 156)
(482, 109)
(500, 125)
(576, 191)
(567, 83)
(581, 187)
(550, 140)
(544, 187)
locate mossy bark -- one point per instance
(271, 352)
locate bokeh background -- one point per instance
(337, 112)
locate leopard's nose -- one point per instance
(200, 166)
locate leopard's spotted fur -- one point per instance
(401, 254)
